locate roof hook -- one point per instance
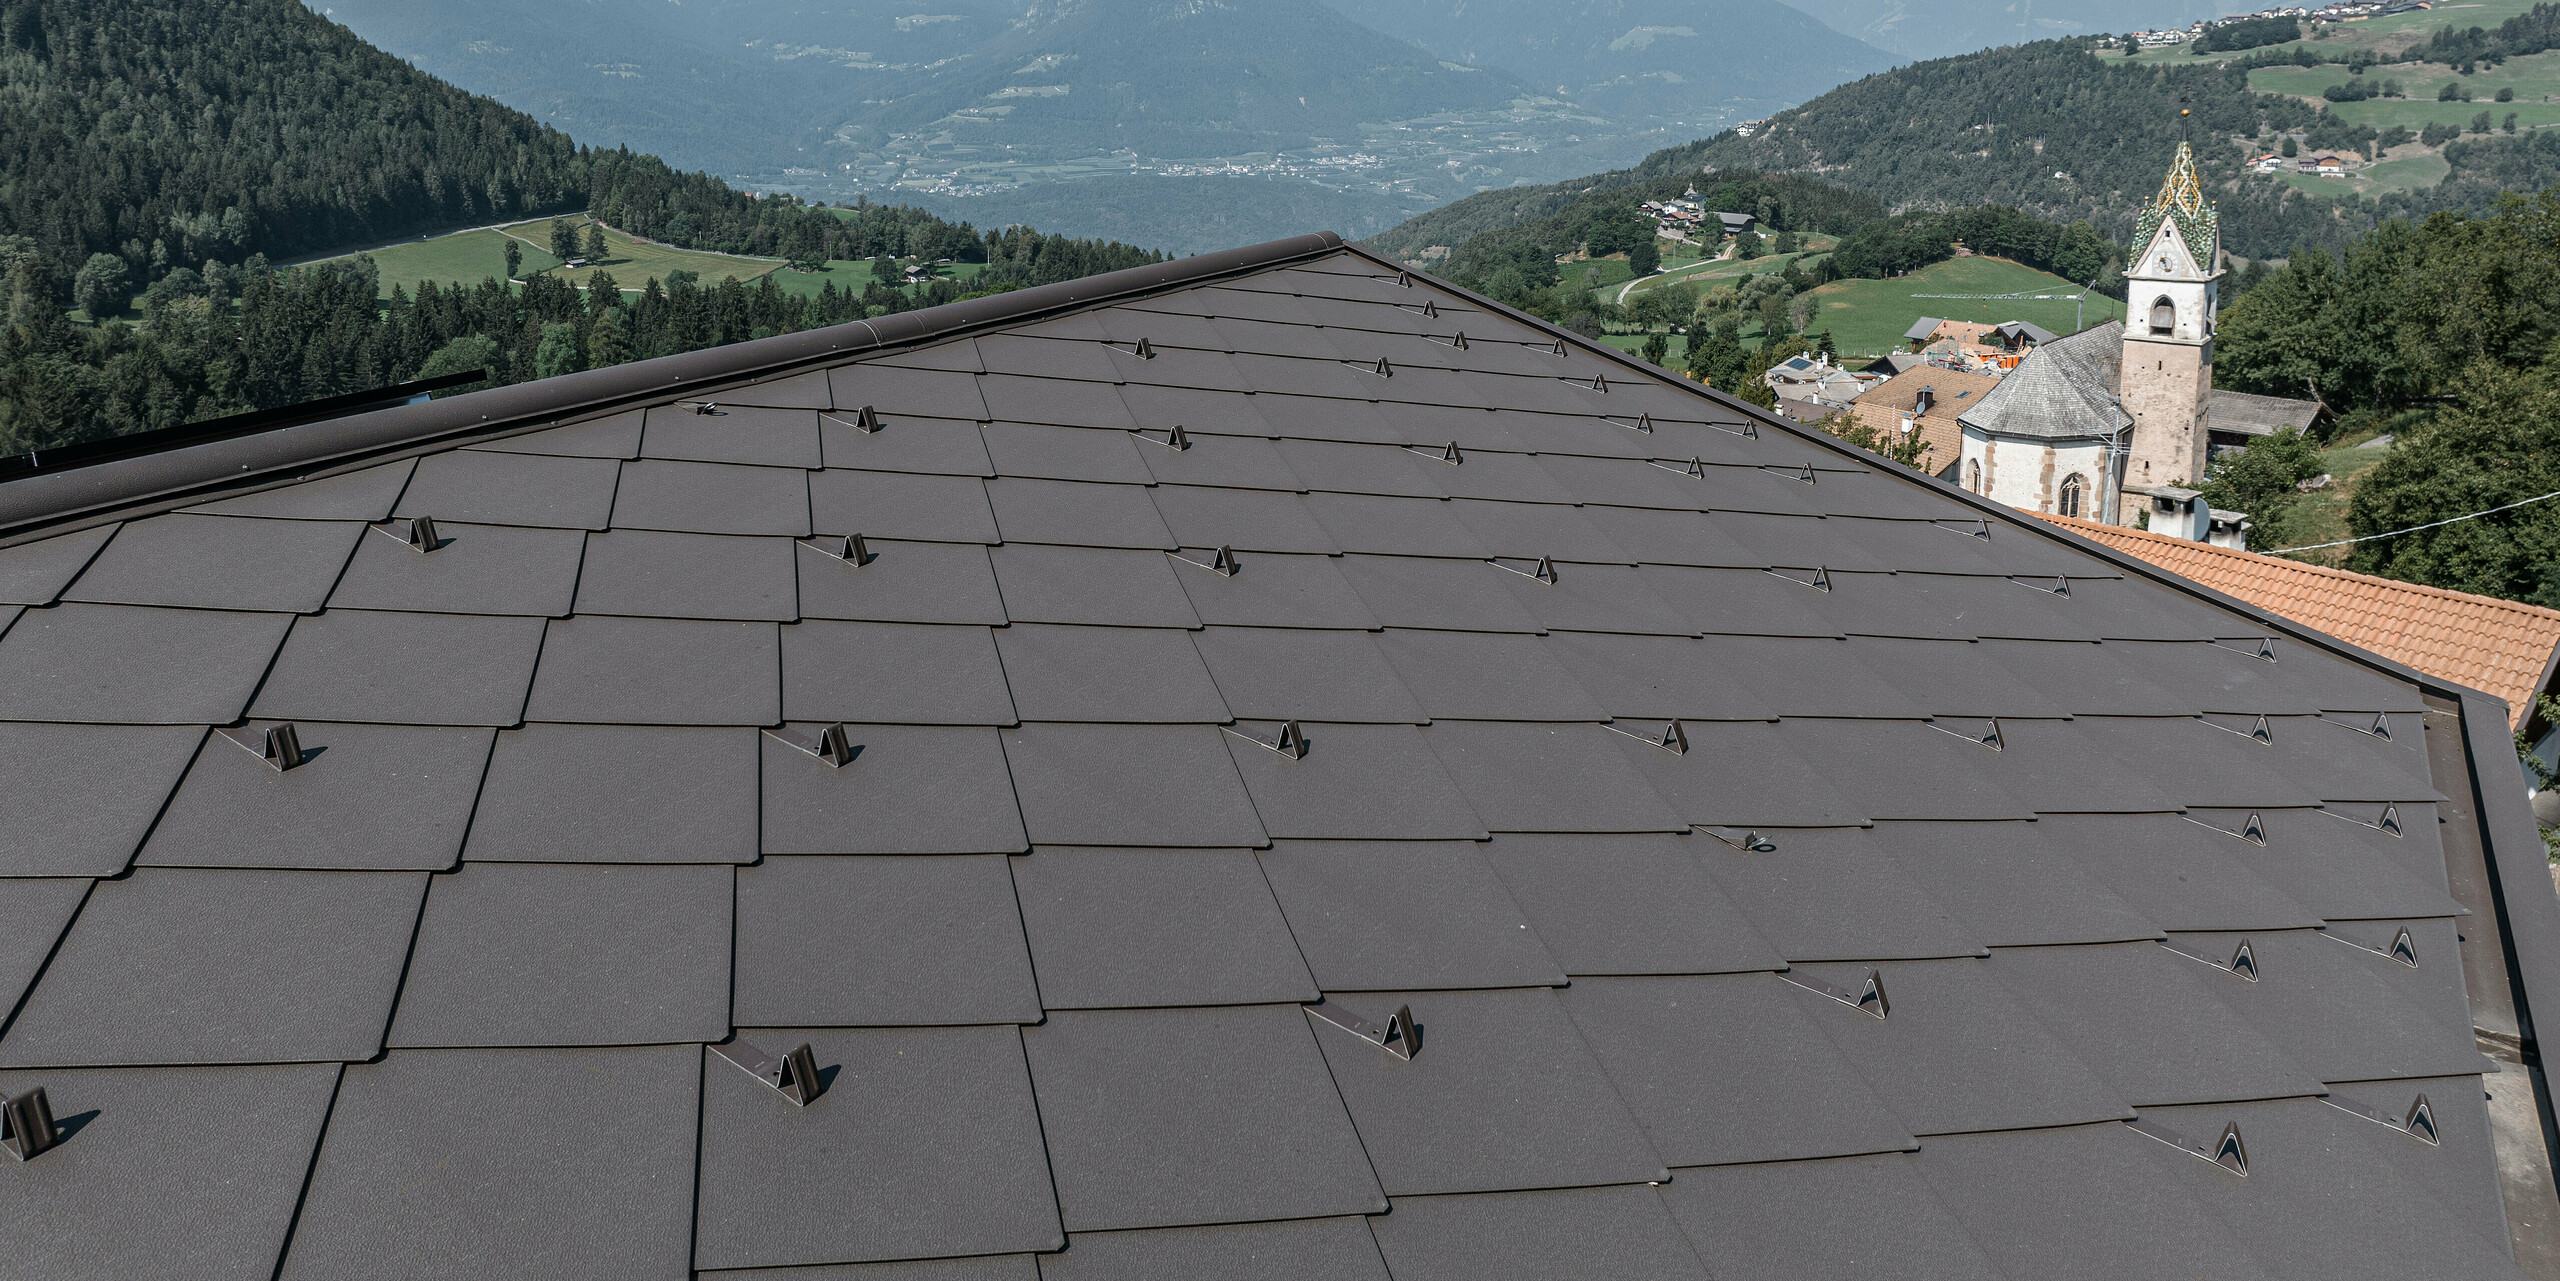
(420, 535)
(833, 744)
(280, 746)
(1399, 1038)
(851, 549)
(26, 1125)
(794, 1076)
(1146, 350)
(1451, 455)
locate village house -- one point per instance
(1925, 400)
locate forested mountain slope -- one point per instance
(2059, 130)
(171, 147)
(176, 132)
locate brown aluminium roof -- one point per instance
(1235, 661)
(2502, 647)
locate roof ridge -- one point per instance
(50, 502)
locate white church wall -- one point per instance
(2030, 474)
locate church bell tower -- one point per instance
(2167, 376)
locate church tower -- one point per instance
(2167, 376)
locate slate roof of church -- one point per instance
(1793, 868)
(2062, 390)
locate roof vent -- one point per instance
(280, 746)
(26, 1125)
(1866, 996)
(2061, 585)
(834, 744)
(1820, 582)
(794, 1076)
(1292, 742)
(1399, 1038)
(419, 533)
(1989, 737)
(2228, 1151)
(1804, 473)
(1744, 839)
(850, 548)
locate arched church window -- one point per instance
(2164, 316)
(1973, 475)
(2072, 490)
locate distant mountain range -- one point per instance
(979, 96)
(1937, 28)
(1190, 124)
(1690, 65)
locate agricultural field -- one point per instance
(2402, 169)
(1869, 317)
(2384, 36)
(468, 257)
(1710, 272)
(2535, 80)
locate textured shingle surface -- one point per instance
(1051, 930)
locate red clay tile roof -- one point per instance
(2501, 647)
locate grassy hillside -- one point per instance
(468, 257)
(1869, 317)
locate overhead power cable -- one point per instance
(2415, 528)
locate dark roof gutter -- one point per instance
(40, 504)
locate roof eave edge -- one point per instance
(43, 504)
(2519, 869)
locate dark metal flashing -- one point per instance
(42, 504)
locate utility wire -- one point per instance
(2415, 528)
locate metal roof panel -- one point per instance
(618, 794)
(951, 1153)
(1159, 1118)
(369, 797)
(843, 941)
(413, 669)
(402, 1193)
(894, 673)
(1127, 928)
(218, 562)
(569, 954)
(310, 964)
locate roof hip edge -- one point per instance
(47, 503)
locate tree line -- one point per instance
(2446, 334)
(228, 340)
